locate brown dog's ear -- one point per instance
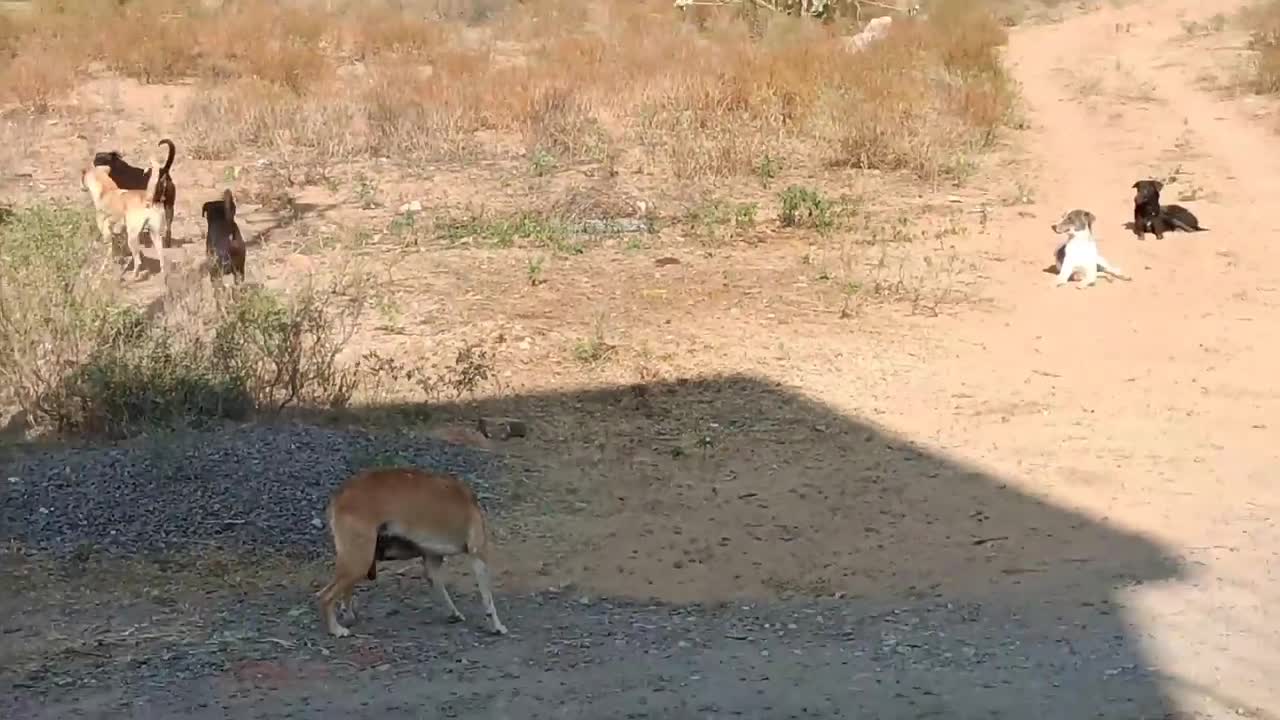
(1159, 185)
(1135, 185)
(1089, 218)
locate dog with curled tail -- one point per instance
(128, 177)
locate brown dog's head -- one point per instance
(1148, 191)
(1074, 221)
(89, 178)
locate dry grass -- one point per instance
(1263, 24)
(552, 81)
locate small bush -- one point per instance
(287, 353)
(137, 376)
(805, 207)
(720, 220)
(75, 358)
(50, 309)
(506, 230)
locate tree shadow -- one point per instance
(729, 547)
(258, 226)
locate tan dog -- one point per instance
(399, 513)
(136, 210)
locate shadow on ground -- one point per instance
(705, 549)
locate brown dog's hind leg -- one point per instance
(133, 231)
(354, 555)
(431, 565)
(481, 570)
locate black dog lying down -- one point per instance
(1149, 216)
(223, 243)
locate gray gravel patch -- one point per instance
(581, 657)
(250, 487)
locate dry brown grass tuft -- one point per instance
(36, 76)
(1263, 23)
(552, 80)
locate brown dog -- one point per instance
(136, 210)
(399, 513)
(128, 177)
(223, 244)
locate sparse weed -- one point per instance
(385, 377)
(767, 169)
(506, 230)
(472, 367)
(721, 220)
(1263, 24)
(366, 192)
(542, 163)
(594, 348)
(406, 227)
(804, 207)
(536, 277)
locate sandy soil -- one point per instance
(1041, 501)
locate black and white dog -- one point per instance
(1080, 250)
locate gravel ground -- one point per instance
(253, 487)
(577, 657)
(214, 651)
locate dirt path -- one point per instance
(1059, 507)
(1149, 403)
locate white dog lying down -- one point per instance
(1080, 251)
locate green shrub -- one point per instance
(805, 207)
(76, 358)
(286, 352)
(139, 375)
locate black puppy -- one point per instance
(1149, 216)
(223, 243)
(128, 177)
(391, 547)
